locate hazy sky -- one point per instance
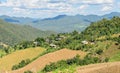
(51, 8)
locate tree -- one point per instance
(99, 51)
(28, 71)
(74, 32)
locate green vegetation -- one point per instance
(99, 51)
(74, 61)
(96, 47)
(21, 64)
(102, 28)
(115, 57)
(96, 40)
(11, 33)
(68, 69)
(2, 53)
(5, 51)
(74, 39)
(28, 71)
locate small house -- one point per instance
(35, 43)
(53, 46)
(84, 42)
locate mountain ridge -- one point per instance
(65, 22)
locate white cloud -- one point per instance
(43, 3)
(98, 1)
(43, 7)
(106, 8)
(18, 3)
(83, 7)
(19, 10)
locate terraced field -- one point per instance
(40, 63)
(112, 67)
(8, 61)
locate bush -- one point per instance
(119, 47)
(21, 64)
(76, 60)
(106, 59)
(61, 64)
(100, 51)
(28, 71)
(14, 67)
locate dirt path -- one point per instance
(100, 68)
(51, 57)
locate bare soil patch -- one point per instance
(100, 68)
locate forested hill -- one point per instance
(104, 27)
(12, 33)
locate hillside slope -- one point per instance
(7, 62)
(40, 63)
(12, 34)
(103, 27)
(100, 68)
(104, 48)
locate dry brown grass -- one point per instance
(8, 61)
(51, 57)
(112, 50)
(114, 35)
(100, 68)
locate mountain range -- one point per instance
(60, 23)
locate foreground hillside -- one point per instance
(12, 34)
(98, 43)
(91, 40)
(100, 68)
(42, 61)
(7, 62)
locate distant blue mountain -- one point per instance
(35, 21)
(60, 23)
(11, 20)
(111, 15)
(17, 20)
(54, 18)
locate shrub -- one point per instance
(21, 64)
(61, 64)
(28, 71)
(100, 51)
(106, 59)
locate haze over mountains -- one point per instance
(61, 23)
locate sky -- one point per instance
(51, 8)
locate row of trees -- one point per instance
(76, 60)
(21, 64)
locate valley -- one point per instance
(94, 50)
